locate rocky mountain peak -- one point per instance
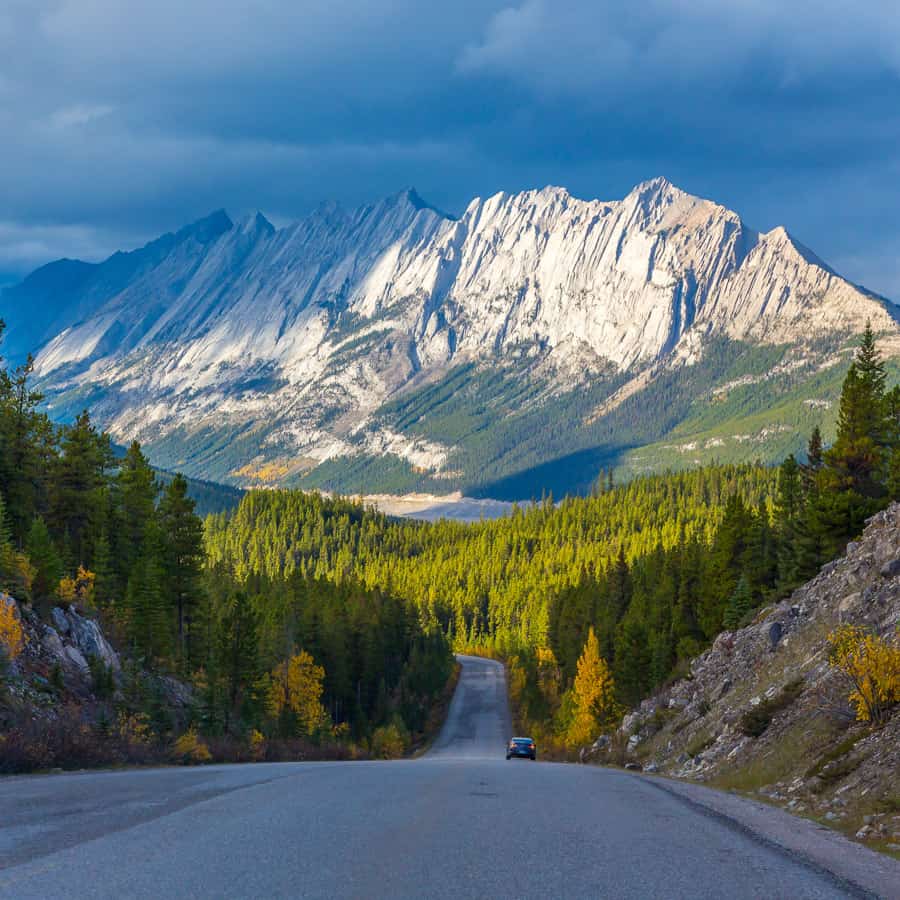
(208, 228)
(256, 224)
(309, 330)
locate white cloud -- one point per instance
(79, 114)
(581, 46)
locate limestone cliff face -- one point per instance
(307, 330)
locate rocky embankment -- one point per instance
(763, 711)
(67, 699)
(66, 653)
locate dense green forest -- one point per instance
(593, 601)
(655, 568)
(489, 584)
(287, 656)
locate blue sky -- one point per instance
(122, 119)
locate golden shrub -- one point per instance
(190, 748)
(134, 728)
(297, 686)
(871, 666)
(387, 742)
(79, 589)
(257, 745)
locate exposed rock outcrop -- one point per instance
(764, 711)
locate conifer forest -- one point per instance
(295, 615)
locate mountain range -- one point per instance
(519, 348)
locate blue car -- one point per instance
(521, 746)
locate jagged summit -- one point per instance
(208, 228)
(301, 334)
(256, 223)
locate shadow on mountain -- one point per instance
(574, 473)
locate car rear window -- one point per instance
(523, 740)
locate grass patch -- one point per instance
(774, 766)
(701, 742)
(839, 769)
(833, 754)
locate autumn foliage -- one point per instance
(593, 693)
(12, 638)
(295, 695)
(871, 666)
(189, 748)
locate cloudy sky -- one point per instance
(121, 119)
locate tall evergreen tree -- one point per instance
(149, 622)
(45, 558)
(183, 552)
(814, 459)
(740, 604)
(788, 512)
(134, 505)
(24, 432)
(79, 487)
(236, 661)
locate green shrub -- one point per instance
(832, 754)
(757, 719)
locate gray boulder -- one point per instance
(60, 620)
(87, 637)
(74, 656)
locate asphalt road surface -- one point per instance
(461, 822)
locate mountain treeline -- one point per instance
(638, 578)
(291, 656)
(488, 584)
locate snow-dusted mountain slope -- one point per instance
(246, 351)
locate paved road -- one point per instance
(462, 822)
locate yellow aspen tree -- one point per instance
(12, 637)
(297, 688)
(593, 694)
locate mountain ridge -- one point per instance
(293, 339)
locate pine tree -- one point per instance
(45, 558)
(134, 502)
(24, 433)
(871, 370)
(105, 587)
(149, 622)
(7, 560)
(788, 512)
(814, 460)
(740, 605)
(183, 550)
(78, 489)
(632, 664)
(236, 659)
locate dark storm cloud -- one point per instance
(123, 117)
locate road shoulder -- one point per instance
(866, 872)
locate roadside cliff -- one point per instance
(766, 711)
(68, 699)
